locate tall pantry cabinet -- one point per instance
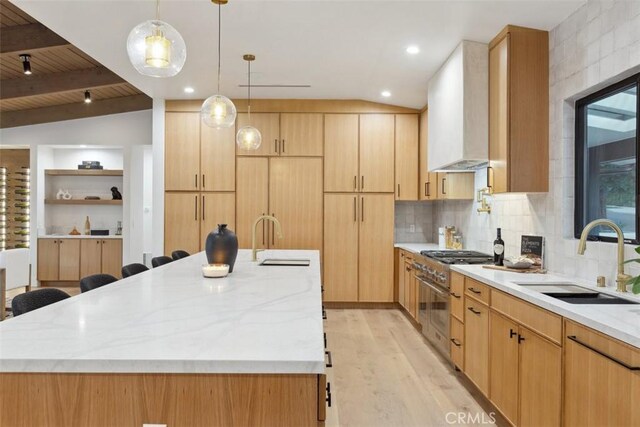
(359, 207)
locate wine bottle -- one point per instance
(498, 249)
(87, 226)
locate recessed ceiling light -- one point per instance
(412, 50)
(82, 146)
(87, 97)
(189, 89)
(386, 93)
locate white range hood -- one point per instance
(458, 110)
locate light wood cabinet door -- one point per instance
(503, 341)
(406, 155)
(375, 261)
(377, 153)
(295, 198)
(90, 257)
(69, 259)
(499, 116)
(182, 152)
(252, 200)
(540, 380)
(457, 342)
(269, 126)
(456, 186)
(182, 222)
(341, 153)
(112, 257)
(408, 297)
(340, 264)
(400, 278)
(301, 134)
(476, 346)
(48, 259)
(217, 159)
(428, 187)
(216, 208)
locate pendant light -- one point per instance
(26, 63)
(248, 137)
(218, 111)
(156, 49)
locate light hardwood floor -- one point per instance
(385, 374)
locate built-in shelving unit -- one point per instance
(15, 196)
(82, 202)
(83, 172)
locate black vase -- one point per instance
(222, 246)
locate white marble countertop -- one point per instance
(78, 236)
(417, 247)
(619, 321)
(173, 320)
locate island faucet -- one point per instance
(278, 230)
(622, 278)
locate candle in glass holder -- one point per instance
(215, 270)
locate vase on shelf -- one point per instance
(222, 247)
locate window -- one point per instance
(607, 160)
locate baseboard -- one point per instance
(360, 305)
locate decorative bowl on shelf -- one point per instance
(215, 270)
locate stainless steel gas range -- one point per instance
(432, 272)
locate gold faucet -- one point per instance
(482, 198)
(278, 229)
(622, 278)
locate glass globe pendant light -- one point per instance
(248, 137)
(156, 49)
(218, 111)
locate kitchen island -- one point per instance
(169, 346)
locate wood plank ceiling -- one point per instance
(60, 75)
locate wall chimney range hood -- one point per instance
(458, 102)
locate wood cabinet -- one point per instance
(411, 290)
(189, 217)
(400, 276)
(341, 173)
(301, 134)
(455, 186)
(269, 126)
(367, 221)
(457, 295)
(376, 153)
(601, 379)
(457, 342)
(69, 260)
(406, 156)
(428, 187)
(289, 189)
(519, 111)
(504, 366)
(182, 151)
(476, 348)
(217, 159)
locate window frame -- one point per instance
(579, 169)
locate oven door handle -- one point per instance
(438, 291)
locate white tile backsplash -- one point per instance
(597, 45)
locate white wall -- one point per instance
(158, 176)
(596, 46)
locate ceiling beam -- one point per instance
(58, 82)
(77, 110)
(24, 38)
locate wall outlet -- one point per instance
(412, 228)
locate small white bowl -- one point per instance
(520, 265)
(215, 270)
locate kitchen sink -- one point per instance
(283, 262)
(574, 294)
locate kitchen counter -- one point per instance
(619, 321)
(173, 320)
(417, 247)
(80, 236)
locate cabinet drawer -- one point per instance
(457, 343)
(604, 344)
(477, 290)
(457, 296)
(537, 319)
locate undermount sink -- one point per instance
(574, 294)
(282, 262)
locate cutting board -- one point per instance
(535, 270)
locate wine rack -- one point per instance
(15, 207)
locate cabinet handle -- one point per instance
(203, 206)
(203, 181)
(195, 181)
(328, 398)
(104, 241)
(453, 294)
(489, 170)
(613, 359)
(324, 313)
(443, 181)
(475, 291)
(195, 209)
(275, 145)
(402, 254)
(325, 340)
(283, 150)
(355, 183)
(55, 241)
(362, 183)
(263, 229)
(398, 190)
(512, 333)
(273, 230)
(98, 242)
(456, 342)
(428, 189)
(362, 210)
(408, 268)
(471, 309)
(329, 363)
(425, 189)
(520, 338)
(355, 208)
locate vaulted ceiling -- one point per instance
(61, 73)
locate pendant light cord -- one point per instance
(157, 10)
(249, 91)
(219, 43)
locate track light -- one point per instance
(26, 63)
(87, 97)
